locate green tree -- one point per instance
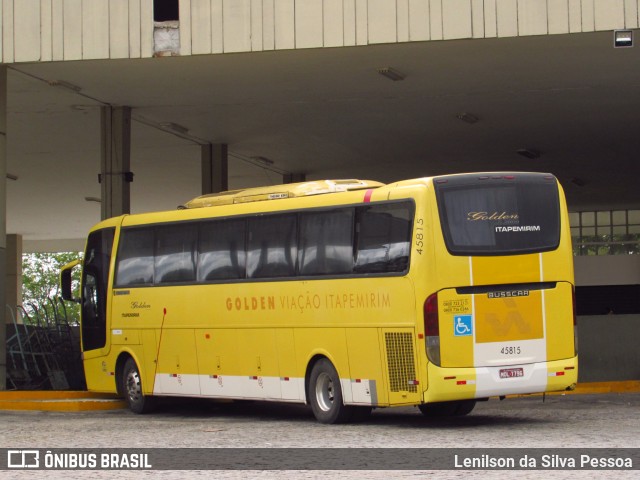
(41, 283)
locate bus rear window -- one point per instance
(499, 215)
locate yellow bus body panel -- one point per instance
(257, 340)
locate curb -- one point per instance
(59, 401)
(594, 388)
(629, 386)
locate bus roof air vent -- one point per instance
(278, 192)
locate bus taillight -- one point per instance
(432, 328)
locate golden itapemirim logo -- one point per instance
(486, 216)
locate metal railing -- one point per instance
(43, 348)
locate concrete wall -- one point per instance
(608, 348)
(51, 30)
(607, 270)
(608, 345)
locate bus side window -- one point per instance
(326, 242)
(135, 257)
(175, 258)
(221, 252)
(272, 246)
(383, 238)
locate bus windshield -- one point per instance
(504, 215)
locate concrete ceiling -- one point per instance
(329, 114)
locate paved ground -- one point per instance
(574, 421)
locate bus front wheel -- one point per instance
(447, 409)
(132, 389)
(325, 394)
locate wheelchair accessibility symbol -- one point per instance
(462, 325)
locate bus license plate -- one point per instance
(511, 372)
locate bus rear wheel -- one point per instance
(325, 394)
(132, 389)
(457, 408)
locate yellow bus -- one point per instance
(346, 295)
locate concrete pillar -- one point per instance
(115, 173)
(3, 226)
(294, 178)
(14, 274)
(215, 168)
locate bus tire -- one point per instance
(457, 408)
(132, 389)
(325, 394)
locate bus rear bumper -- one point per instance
(446, 384)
